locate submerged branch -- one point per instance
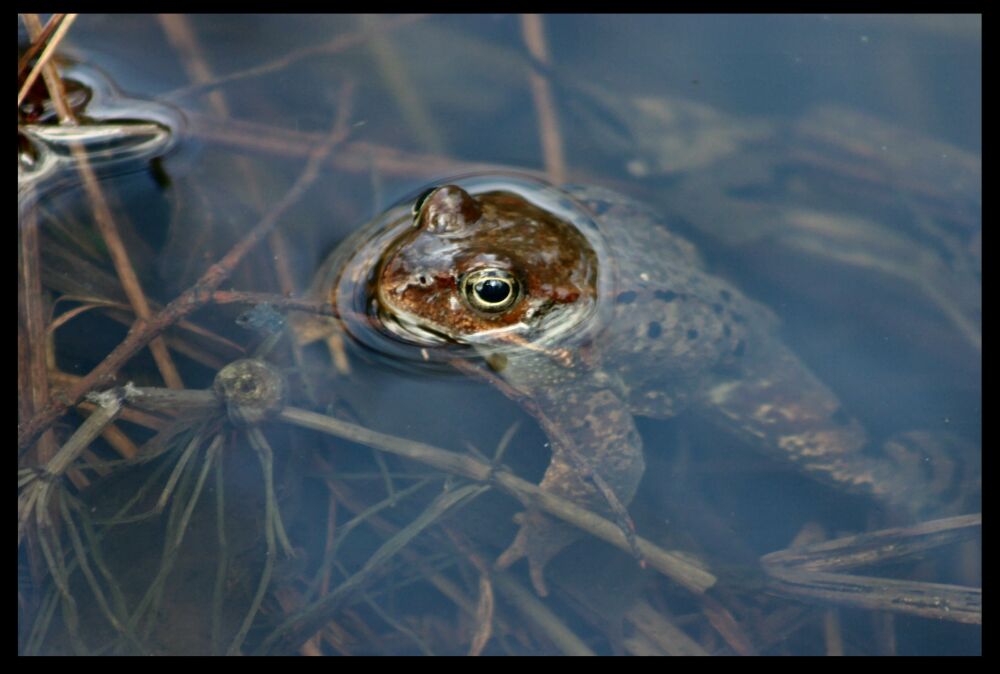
(685, 572)
(806, 571)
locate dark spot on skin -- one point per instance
(717, 308)
(726, 330)
(840, 417)
(654, 330)
(665, 295)
(741, 347)
(692, 334)
(739, 318)
(725, 295)
(626, 297)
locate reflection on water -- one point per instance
(108, 132)
(828, 166)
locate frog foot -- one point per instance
(539, 540)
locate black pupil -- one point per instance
(493, 290)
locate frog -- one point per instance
(590, 310)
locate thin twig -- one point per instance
(928, 600)
(685, 572)
(182, 35)
(105, 220)
(50, 48)
(338, 44)
(25, 59)
(320, 584)
(363, 513)
(273, 513)
(356, 157)
(81, 557)
(177, 525)
(299, 627)
(876, 547)
(548, 121)
(399, 83)
(242, 297)
(804, 571)
(222, 558)
(532, 608)
(662, 631)
(33, 339)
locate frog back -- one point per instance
(674, 329)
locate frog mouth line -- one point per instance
(406, 327)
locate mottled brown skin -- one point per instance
(456, 234)
(675, 338)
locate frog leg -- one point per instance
(778, 404)
(539, 539)
(595, 446)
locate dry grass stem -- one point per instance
(33, 336)
(339, 44)
(805, 571)
(61, 24)
(540, 615)
(685, 572)
(668, 637)
(25, 59)
(360, 157)
(548, 121)
(876, 547)
(105, 220)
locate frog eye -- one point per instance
(419, 201)
(490, 290)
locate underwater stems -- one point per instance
(195, 297)
(689, 574)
